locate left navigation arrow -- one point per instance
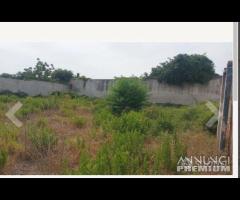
(11, 114)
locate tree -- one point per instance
(62, 75)
(184, 68)
(27, 74)
(41, 71)
(127, 94)
(6, 75)
(44, 72)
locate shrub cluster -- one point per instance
(127, 94)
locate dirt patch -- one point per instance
(24, 167)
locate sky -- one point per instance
(105, 60)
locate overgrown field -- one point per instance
(67, 134)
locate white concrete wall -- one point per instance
(158, 92)
(186, 94)
(32, 88)
(92, 87)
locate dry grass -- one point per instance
(74, 139)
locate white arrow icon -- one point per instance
(12, 111)
(213, 119)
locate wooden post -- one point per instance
(220, 114)
(223, 132)
(229, 129)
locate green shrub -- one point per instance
(131, 121)
(127, 94)
(104, 118)
(123, 155)
(127, 122)
(149, 121)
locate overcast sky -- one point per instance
(105, 59)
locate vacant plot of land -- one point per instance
(66, 134)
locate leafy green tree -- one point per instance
(62, 75)
(184, 68)
(127, 94)
(41, 71)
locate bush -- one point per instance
(131, 121)
(124, 155)
(184, 68)
(127, 94)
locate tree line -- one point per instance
(44, 72)
(182, 68)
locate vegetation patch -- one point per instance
(127, 94)
(43, 139)
(65, 134)
(184, 68)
